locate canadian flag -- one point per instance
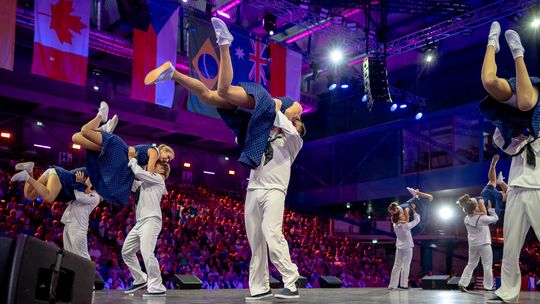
(286, 71)
(61, 32)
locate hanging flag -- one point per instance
(151, 49)
(286, 71)
(61, 31)
(8, 19)
(249, 59)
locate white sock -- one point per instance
(514, 42)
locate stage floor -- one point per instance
(342, 295)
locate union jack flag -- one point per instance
(257, 73)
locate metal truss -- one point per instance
(441, 7)
(456, 25)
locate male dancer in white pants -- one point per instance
(404, 249)
(144, 235)
(265, 204)
(477, 224)
(522, 210)
(76, 217)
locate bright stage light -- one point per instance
(187, 165)
(336, 56)
(393, 107)
(344, 86)
(535, 23)
(418, 116)
(403, 106)
(429, 58)
(232, 172)
(446, 213)
(76, 146)
(95, 87)
(332, 86)
(364, 98)
(6, 135)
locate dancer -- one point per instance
(490, 192)
(143, 237)
(477, 224)
(55, 184)
(512, 103)
(404, 248)
(247, 109)
(421, 200)
(264, 209)
(107, 157)
(522, 210)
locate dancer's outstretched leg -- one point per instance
(47, 187)
(497, 87)
(90, 137)
(526, 95)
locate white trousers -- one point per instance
(75, 240)
(264, 218)
(402, 266)
(522, 212)
(144, 237)
(476, 253)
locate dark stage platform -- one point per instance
(342, 295)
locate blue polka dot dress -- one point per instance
(109, 171)
(490, 193)
(510, 121)
(69, 183)
(421, 209)
(253, 129)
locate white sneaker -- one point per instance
(223, 35)
(27, 166)
(110, 125)
(514, 42)
(412, 191)
(103, 111)
(493, 37)
(159, 74)
(500, 178)
(20, 176)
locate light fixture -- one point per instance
(209, 172)
(42, 146)
(187, 165)
(95, 87)
(344, 86)
(403, 106)
(39, 123)
(336, 56)
(5, 135)
(232, 172)
(418, 116)
(535, 23)
(393, 107)
(269, 23)
(76, 146)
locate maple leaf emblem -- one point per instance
(63, 22)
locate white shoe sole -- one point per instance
(153, 75)
(133, 290)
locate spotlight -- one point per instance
(185, 1)
(269, 23)
(5, 135)
(374, 241)
(535, 23)
(76, 146)
(226, 158)
(364, 98)
(39, 123)
(344, 86)
(403, 106)
(209, 172)
(446, 213)
(429, 58)
(348, 205)
(332, 86)
(336, 56)
(187, 165)
(393, 107)
(232, 172)
(418, 116)
(331, 82)
(95, 87)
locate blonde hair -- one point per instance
(166, 169)
(467, 204)
(166, 148)
(392, 206)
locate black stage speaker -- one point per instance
(435, 282)
(454, 282)
(376, 81)
(330, 282)
(183, 281)
(274, 283)
(301, 282)
(7, 245)
(99, 284)
(41, 271)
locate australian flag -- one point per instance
(249, 56)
